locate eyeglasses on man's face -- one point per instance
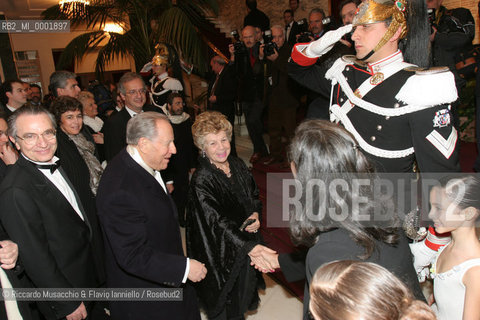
(32, 138)
(135, 92)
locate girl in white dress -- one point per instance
(455, 208)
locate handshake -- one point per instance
(264, 259)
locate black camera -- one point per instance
(270, 46)
(305, 37)
(302, 25)
(238, 46)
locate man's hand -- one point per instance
(321, 46)
(8, 154)
(98, 138)
(274, 56)
(170, 187)
(197, 271)
(264, 259)
(8, 254)
(212, 98)
(78, 314)
(254, 226)
(261, 51)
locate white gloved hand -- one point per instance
(424, 252)
(422, 258)
(147, 67)
(321, 46)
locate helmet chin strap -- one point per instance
(367, 56)
(387, 36)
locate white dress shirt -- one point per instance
(60, 183)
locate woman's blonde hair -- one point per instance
(347, 289)
(210, 122)
(84, 95)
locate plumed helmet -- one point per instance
(391, 12)
(161, 55)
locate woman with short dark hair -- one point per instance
(76, 147)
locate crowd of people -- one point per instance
(94, 197)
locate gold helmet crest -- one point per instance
(161, 55)
(392, 12)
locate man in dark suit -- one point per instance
(249, 67)
(12, 95)
(255, 17)
(139, 220)
(42, 213)
(133, 91)
(291, 27)
(283, 105)
(222, 92)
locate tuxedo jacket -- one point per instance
(77, 172)
(54, 242)
(142, 241)
(292, 37)
(115, 131)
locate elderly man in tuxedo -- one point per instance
(139, 220)
(43, 214)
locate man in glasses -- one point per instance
(133, 91)
(42, 213)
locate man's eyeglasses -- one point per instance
(135, 92)
(32, 138)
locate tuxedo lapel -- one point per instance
(50, 192)
(77, 198)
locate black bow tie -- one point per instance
(52, 167)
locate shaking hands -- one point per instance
(264, 259)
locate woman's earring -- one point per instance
(204, 154)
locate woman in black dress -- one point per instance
(222, 196)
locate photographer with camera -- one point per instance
(247, 59)
(283, 101)
(452, 32)
(317, 103)
(316, 26)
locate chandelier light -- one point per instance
(74, 8)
